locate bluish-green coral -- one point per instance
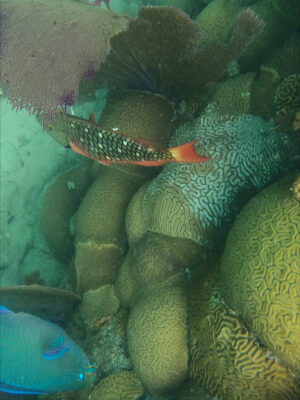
(196, 200)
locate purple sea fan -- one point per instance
(165, 51)
(48, 47)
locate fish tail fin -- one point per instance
(186, 153)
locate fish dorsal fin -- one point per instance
(92, 118)
(4, 310)
(55, 348)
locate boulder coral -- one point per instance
(60, 202)
(199, 201)
(227, 358)
(218, 17)
(100, 238)
(260, 270)
(281, 21)
(154, 259)
(122, 385)
(158, 338)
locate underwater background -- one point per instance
(150, 200)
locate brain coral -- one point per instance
(119, 386)
(260, 270)
(196, 200)
(157, 337)
(225, 357)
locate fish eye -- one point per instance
(80, 376)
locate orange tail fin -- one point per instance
(186, 153)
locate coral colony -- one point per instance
(179, 279)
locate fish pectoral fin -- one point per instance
(4, 310)
(56, 348)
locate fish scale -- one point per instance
(24, 369)
(108, 145)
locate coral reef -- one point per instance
(100, 238)
(260, 270)
(157, 336)
(226, 358)
(264, 88)
(191, 390)
(42, 301)
(119, 386)
(199, 201)
(286, 58)
(39, 60)
(233, 96)
(281, 20)
(33, 278)
(153, 259)
(60, 202)
(296, 188)
(287, 99)
(132, 63)
(98, 305)
(190, 7)
(218, 17)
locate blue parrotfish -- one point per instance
(37, 356)
(111, 146)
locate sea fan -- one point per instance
(48, 47)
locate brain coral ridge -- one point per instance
(196, 200)
(226, 358)
(260, 270)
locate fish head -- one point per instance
(57, 128)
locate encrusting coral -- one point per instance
(227, 358)
(260, 270)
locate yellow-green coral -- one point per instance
(225, 357)
(281, 20)
(157, 336)
(260, 270)
(99, 304)
(287, 99)
(119, 386)
(153, 259)
(100, 221)
(296, 188)
(218, 17)
(60, 202)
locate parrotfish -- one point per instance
(111, 146)
(37, 356)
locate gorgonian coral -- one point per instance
(48, 47)
(165, 51)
